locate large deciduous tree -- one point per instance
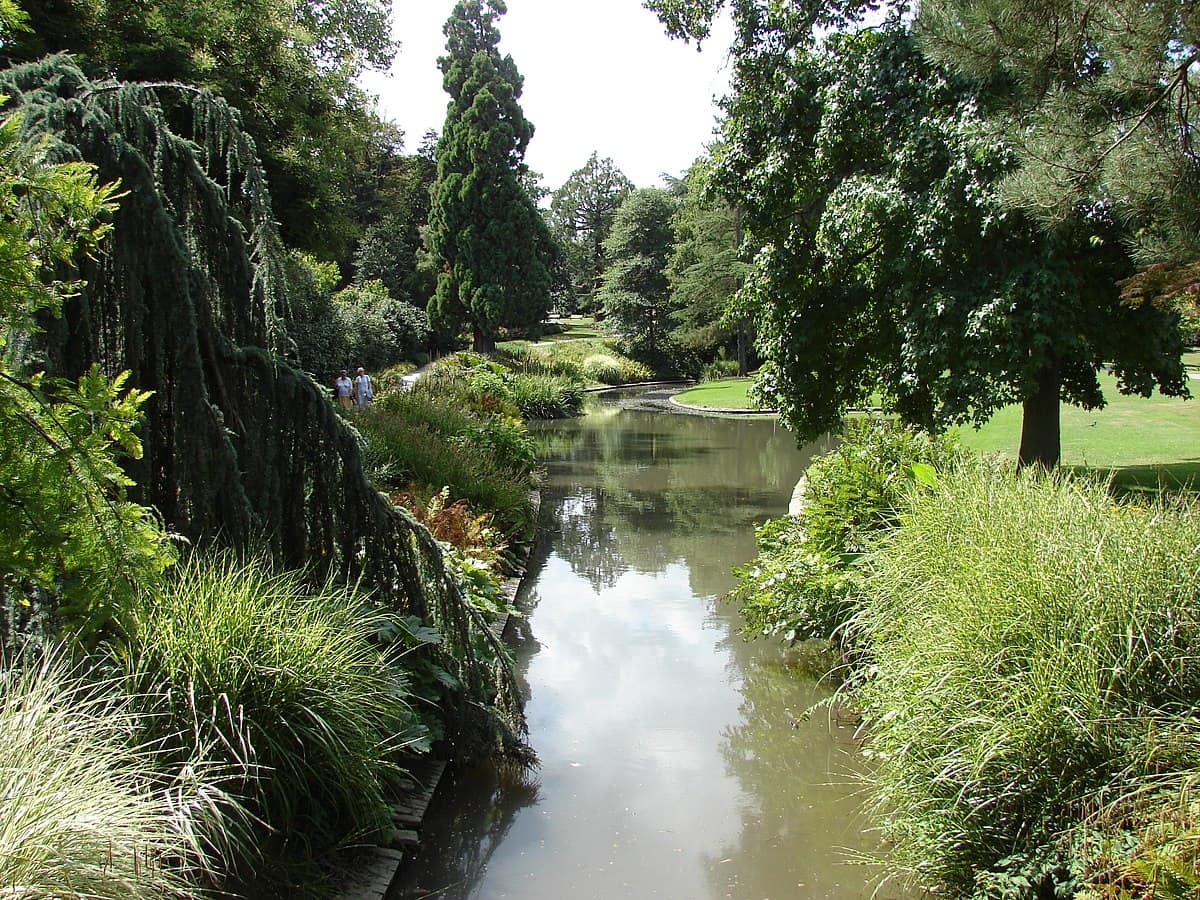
(636, 295)
(581, 216)
(890, 260)
(491, 247)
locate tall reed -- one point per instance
(1033, 659)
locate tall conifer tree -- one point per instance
(490, 244)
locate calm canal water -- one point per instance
(676, 758)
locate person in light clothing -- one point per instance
(363, 392)
(343, 388)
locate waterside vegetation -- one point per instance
(1019, 646)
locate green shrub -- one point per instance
(1033, 664)
(527, 361)
(805, 581)
(718, 369)
(544, 396)
(83, 813)
(247, 670)
(594, 360)
(603, 368)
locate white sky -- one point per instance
(599, 75)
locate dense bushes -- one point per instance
(806, 581)
(360, 325)
(589, 361)
(431, 436)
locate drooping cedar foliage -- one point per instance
(240, 449)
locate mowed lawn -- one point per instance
(1146, 440)
(729, 393)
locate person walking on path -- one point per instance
(363, 392)
(344, 389)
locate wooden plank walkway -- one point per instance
(369, 872)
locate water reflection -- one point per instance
(676, 758)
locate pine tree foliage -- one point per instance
(1101, 100)
(488, 240)
(239, 448)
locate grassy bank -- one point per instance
(728, 393)
(1145, 440)
(1022, 649)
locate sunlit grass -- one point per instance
(728, 393)
(82, 810)
(1032, 662)
(1145, 439)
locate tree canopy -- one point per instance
(1099, 101)
(581, 216)
(706, 270)
(635, 295)
(890, 261)
(491, 247)
(288, 67)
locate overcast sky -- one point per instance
(599, 75)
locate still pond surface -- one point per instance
(676, 757)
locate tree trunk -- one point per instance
(1040, 439)
(483, 342)
(743, 362)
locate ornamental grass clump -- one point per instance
(82, 813)
(1033, 666)
(281, 686)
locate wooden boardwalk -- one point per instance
(368, 873)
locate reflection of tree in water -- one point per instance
(798, 776)
(463, 831)
(583, 538)
(649, 489)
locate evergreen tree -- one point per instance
(489, 243)
(636, 295)
(581, 215)
(706, 270)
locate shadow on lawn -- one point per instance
(1183, 475)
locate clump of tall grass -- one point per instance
(595, 359)
(1033, 662)
(82, 810)
(279, 685)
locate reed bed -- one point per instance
(1032, 684)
